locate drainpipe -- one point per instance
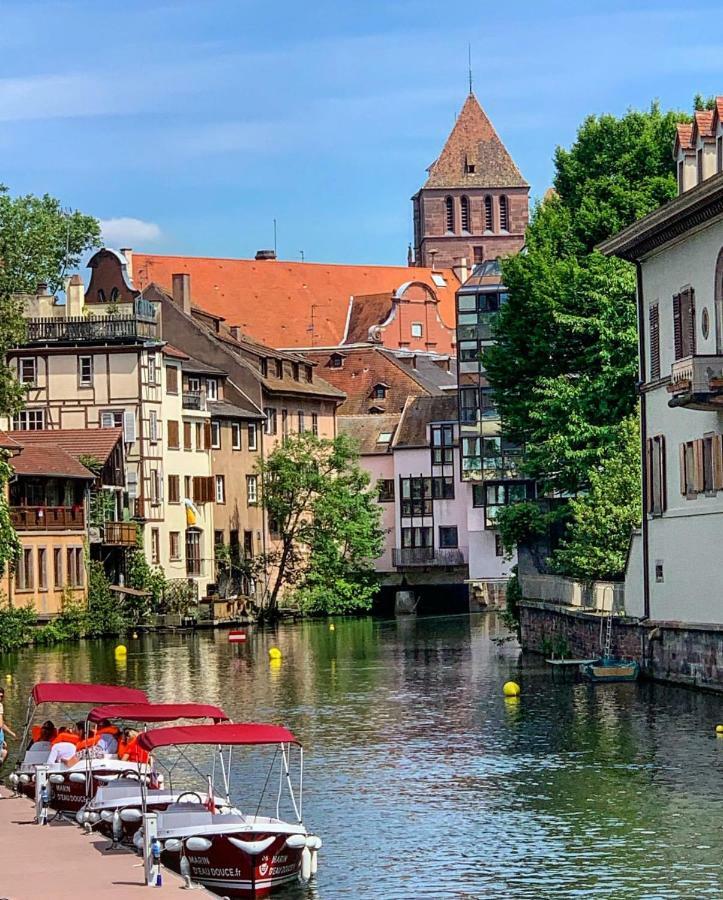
(643, 438)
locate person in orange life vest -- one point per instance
(63, 747)
(129, 749)
(104, 742)
(43, 736)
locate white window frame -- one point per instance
(31, 361)
(253, 436)
(22, 420)
(252, 490)
(212, 388)
(215, 435)
(85, 379)
(235, 435)
(417, 330)
(152, 368)
(108, 418)
(220, 483)
(153, 426)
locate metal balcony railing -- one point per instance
(80, 328)
(194, 400)
(426, 556)
(47, 518)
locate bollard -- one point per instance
(42, 794)
(150, 835)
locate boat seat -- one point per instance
(120, 788)
(36, 757)
(184, 813)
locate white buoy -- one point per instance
(296, 841)
(131, 815)
(79, 816)
(186, 870)
(198, 844)
(117, 827)
(138, 839)
(77, 777)
(314, 862)
(56, 778)
(306, 864)
(173, 845)
(253, 848)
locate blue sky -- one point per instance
(201, 121)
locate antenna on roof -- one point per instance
(302, 255)
(469, 64)
(274, 237)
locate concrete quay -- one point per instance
(60, 862)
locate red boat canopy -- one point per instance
(229, 734)
(62, 692)
(157, 712)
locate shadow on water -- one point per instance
(425, 782)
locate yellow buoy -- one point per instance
(121, 650)
(274, 653)
(332, 626)
(719, 729)
(511, 689)
(8, 677)
(275, 664)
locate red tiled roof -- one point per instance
(174, 352)
(274, 300)
(366, 312)
(41, 459)
(363, 369)
(683, 133)
(97, 442)
(474, 141)
(717, 113)
(7, 442)
(702, 123)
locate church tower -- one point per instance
(474, 203)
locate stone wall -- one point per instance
(667, 651)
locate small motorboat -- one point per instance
(115, 809)
(229, 852)
(69, 787)
(607, 669)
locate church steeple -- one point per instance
(474, 203)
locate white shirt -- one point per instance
(61, 752)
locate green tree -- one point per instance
(564, 363)
(601, 521)
(322, 507)
(40, 241)
(106, 616)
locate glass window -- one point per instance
(29, 420)
(27, 370)
(252, 436)
(448, 536)
(315, 424)
(417, 329)
(155, 546)
(270, 424)
(220, 489)
(212, 388)
(251, 490)
(443, 488)
(235, 435)
(386, 490)
(85, 370)
(216, 435)
(174, 544)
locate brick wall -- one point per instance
(682, 653)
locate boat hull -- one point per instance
(609, 670)
(230, 872)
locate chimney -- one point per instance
(42, 289)
(265, 254)
(182, 292)
(433, 253)
(461, 268)
(128, 253)
(235, 332)
(74, 296)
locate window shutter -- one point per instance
(654, 323)
(172, 379)
(207, 436)
(132, 485)
(649, 475)
(718, 462)
(129, 426)
(677, 328)
(197, 490)
(663, 474)
(173, 435)
(683, 479)
(691, 321)
(698, 472)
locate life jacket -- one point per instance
(92, 741)
(135, 753)
(66, 737)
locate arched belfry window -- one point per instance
(489, 222)
(449, 213)
(504, 215)
(464, 213)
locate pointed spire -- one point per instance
(474, 155)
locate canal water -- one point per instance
(424, 782)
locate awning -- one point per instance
(157, 712)
(228, 735)
(62, 692)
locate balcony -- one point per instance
(47, 518)
(119, 534)
(696, 382)
(194, 400)
(81, 329)
(403, 557)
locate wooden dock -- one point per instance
(61, 862)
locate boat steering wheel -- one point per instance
(198, 797)
(130, 773)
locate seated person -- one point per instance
(104, 742)
(43, 736)
(64, 747)
(129, 749)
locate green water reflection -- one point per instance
(424, 782)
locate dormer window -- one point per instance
(468, 166)
(101, 295)
(380, 391)
(114, 295)
(308, 372)
(264, 366)
(295, 371)
(376, 410)
(336, 361)
(279, 368)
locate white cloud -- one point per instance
(128, 232)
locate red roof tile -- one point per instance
(474, 142)
(702, 123)
(97, 442)
(8, 443)
(683, 132)
(40, 459)
(274, 300)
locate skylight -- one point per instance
(438, 279)
(384, 437)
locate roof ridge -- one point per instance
(291, 262)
